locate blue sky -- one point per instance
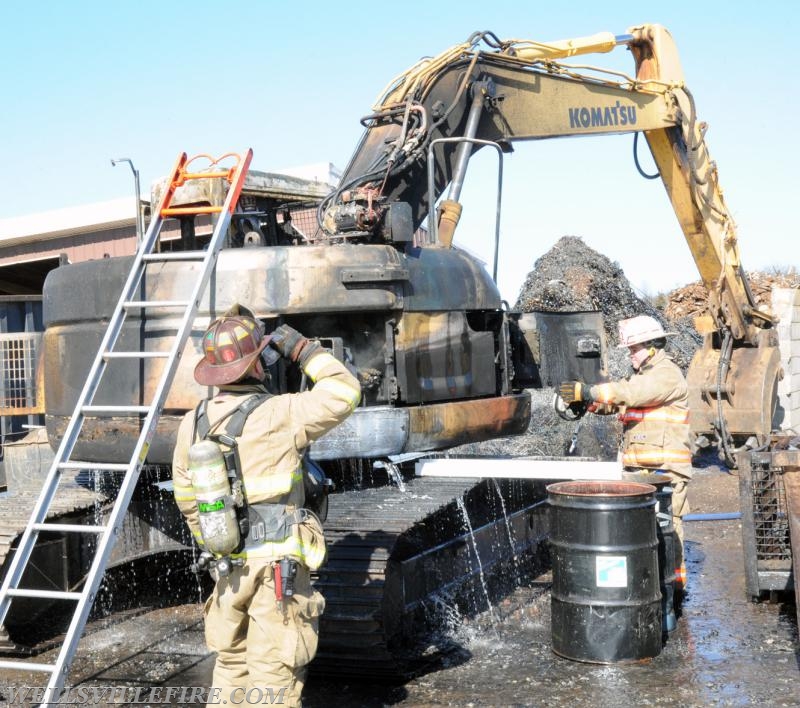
(87, 81)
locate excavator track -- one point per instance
(397, 557)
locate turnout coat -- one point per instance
(653, 406)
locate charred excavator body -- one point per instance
(378, 279)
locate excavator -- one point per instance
(433, 117)
(379, 279)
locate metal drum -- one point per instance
(667, 561)
(606, 596)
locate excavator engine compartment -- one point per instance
(440, 359)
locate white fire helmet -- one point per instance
(639, 329)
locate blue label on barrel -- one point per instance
(611, 571)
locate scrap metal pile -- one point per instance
(571, 277)
(689, 301)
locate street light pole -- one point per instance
(139, 215)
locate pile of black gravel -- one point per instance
(572, 277)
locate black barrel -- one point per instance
(606, 596)
(666, 545)
(667, 557)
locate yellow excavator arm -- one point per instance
(690, 177)
(733, 378)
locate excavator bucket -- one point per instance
(745, 399)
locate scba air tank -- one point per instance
(218, 524)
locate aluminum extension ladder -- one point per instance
(106, 534)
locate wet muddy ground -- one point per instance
(726, 650)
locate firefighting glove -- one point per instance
(288, 342)
(292, 345)
(574, 392)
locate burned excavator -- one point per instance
(380, 281)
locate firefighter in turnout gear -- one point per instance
(263, 615)
(653, 407)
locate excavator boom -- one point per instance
(488, 90)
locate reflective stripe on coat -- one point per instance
(654, 410)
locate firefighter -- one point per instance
(262, 624)
(654, 409)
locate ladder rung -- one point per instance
(44, 594)
(181, 211)
(27, 666)
(156, 303)
(70, 528)
(136, 355)
(107, 466)
(175, 256)
(115, 409)
(206, 174)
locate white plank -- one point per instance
(518, 468)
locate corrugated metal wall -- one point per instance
(78, 247)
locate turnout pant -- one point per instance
(261, 646)
(680, 507)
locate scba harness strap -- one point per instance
(271, 522)
(234, 428)
(258, 523)
(236, 419)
